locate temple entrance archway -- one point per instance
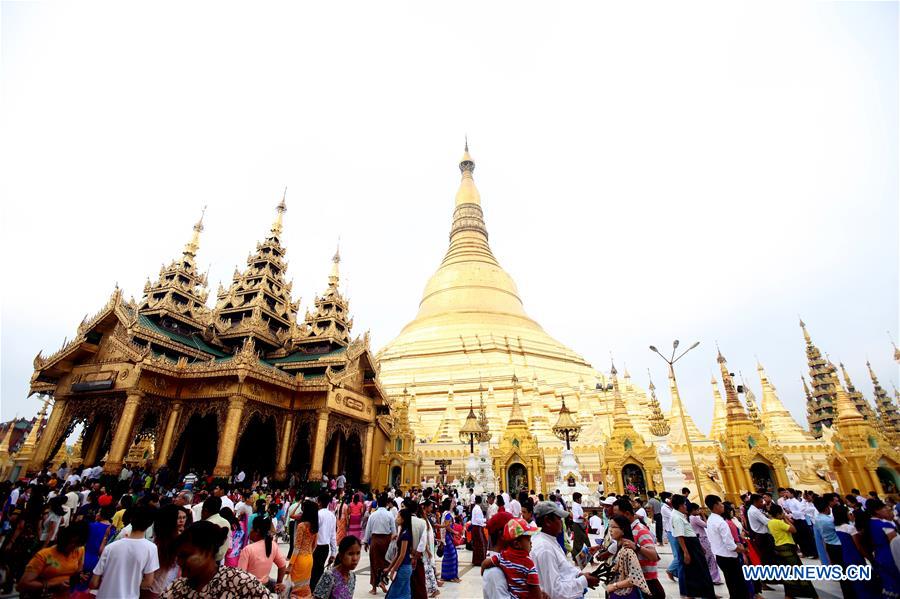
(889, 479)
(516, 478)
(256, 447)
(396, 476)
(633, 475)
(763, 478)
(198, 446)
(343, 453)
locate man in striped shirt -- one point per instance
(644, 545)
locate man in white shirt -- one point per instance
(514, 506)
(666, 498)
(210, 511)
(478, 522)
(725, 549)
(596, 523)
(73, 501)
(492, 508)
(341, 481)
(219, 492)
(580, 538)
(559, 578)
(380, 527)
(326, 540)
(127, 566)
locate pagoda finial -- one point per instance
(516, 415)
(194, 244)
(335, 275)
(659, 426)
(734, 409)
(805, 332)
(281, 208)
(468, 193)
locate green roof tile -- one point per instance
(194, 342)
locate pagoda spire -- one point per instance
(516, 415)
(717, 429)
(750, 400)
(258, 303)
(734, 411)
(888, 416)
(448, 429)
(820, 408)
(328, 326)
(659, 426)
(777, 420)
(620, 412)
(177, 300)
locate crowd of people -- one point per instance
(78, 533)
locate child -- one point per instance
(518, 568)
(340, 581)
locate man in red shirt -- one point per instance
(644, 545)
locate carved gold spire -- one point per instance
(887, 410)
(659, 426)
(821, 374)
(717, 429)
(328, 326)
(734, 411)
(26, 450)
(516, 415)
(258, 303)
(778, 421)
(750, 400)
(177, 300)
(448, 429)
(277, 224)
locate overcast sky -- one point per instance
(648, 172)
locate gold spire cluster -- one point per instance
(752, 409)
(857, 398)
(329, 325)
(776, 418)
(888, 415)
(659, 426)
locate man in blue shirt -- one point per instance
(824, 524)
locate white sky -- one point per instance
(647, 172)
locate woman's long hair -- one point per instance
(310, 515)
(263, 526)
(165, 532)
(57, 505)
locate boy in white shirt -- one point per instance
(127, 566)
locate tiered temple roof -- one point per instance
(888, 415)
(820, 409)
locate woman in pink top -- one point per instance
(257, 557)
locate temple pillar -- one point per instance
(281, 466)
(229, 440)
(95, 443)
(124, 433)
(336, 460)
(875, 483)
(46, 442)
(318, 449)
(367, 455)
(168, 441)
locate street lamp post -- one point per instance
(687, 439)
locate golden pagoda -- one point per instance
(858, 400)
(717, 429)
(471, 329)
(748, 461)
(399, 466)
(861, 457)
(518, 457)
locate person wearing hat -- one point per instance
(518, 568)
(558, 577)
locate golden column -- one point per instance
(229, 440)
(318, 452)
(281, 467)
(124, 434)
(95, 443)
(165, 448)
(367, 455)
(41, 447)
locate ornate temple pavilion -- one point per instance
(248, 384)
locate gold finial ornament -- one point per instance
(659, 426)
(566, 428)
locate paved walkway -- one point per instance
(470, 587)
